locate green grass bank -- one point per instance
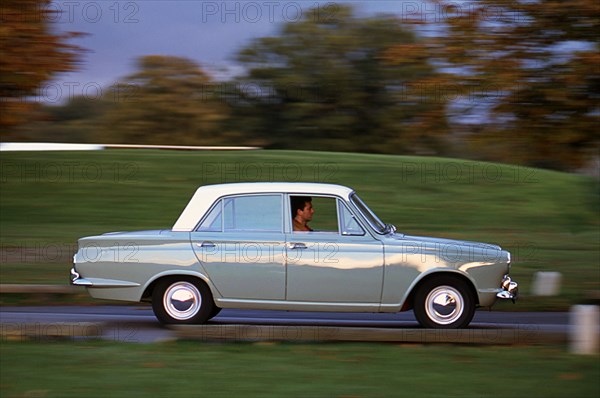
(550, 221)
(183, 369)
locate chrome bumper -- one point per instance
(510, 289)
(77, 280)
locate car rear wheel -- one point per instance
(182, 301)
(444, 302)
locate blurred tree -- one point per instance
(337, 82)
(535, 65)
(31, 54)
(169, 100)
(77, 120)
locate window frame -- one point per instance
(217, 203)
(355, 198)
(220, 201)
(289, 222)
(341, 205)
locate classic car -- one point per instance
(240, 246)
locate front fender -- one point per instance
(404, 300)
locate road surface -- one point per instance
(138, 324)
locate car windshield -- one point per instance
(378, 225)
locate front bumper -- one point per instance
(510, 289)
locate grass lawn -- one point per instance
(184, 369)
(548, 220)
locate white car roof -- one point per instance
(206, 195)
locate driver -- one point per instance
(302, 212)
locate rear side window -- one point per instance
(259, 213)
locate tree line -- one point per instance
(516, 85)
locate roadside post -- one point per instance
(584, 323)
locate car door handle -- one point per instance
(205, 244)
(295, 246)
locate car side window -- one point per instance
(259, 213)
(313, 214)
(348, 223)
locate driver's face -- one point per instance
(307, 212)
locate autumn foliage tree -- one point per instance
(534, 65)
(511, 81)
(340, 82)
(31, 54)
(168, 100)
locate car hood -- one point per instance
(409, 239)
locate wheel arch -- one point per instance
(408, 302)
(149, 288)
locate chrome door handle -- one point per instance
(295, 246)
(205, 244)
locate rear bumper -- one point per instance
(77, 280)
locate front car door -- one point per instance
(338, 262)
(240, 243)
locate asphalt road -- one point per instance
(138, 324)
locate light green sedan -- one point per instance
(291, 246)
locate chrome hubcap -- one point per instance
(444, 305)
(182, 300)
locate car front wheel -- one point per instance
(182, 301)
(444, 302)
